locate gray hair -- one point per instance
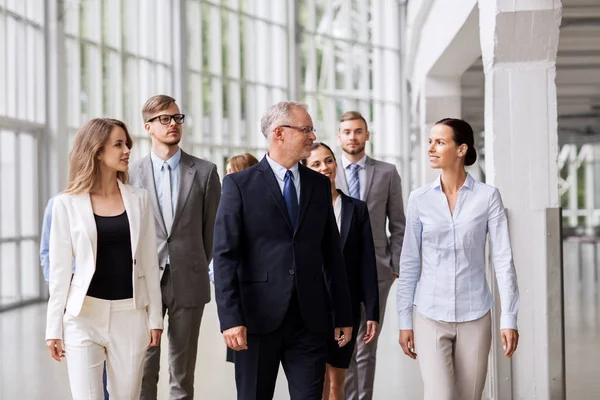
(278, 114)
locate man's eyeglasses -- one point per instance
(304, 129)
(166, 119)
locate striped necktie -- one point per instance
(354, 183)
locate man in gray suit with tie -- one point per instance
(185, 192)
(378, 184)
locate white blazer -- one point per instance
(73, 236)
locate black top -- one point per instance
(114, 264)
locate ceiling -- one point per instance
(577, 76)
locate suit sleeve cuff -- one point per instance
(508, 321)
(405, 322)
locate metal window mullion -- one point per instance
(18, 227)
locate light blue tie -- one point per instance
(354, 183)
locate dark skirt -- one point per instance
(339, 357)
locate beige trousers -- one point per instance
(106, 330)
(453, 357)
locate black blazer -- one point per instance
(359, 256)
(258, 258)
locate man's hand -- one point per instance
(343, 335)
(155, 335)
(235, 338)
(407, 342)
(55, 348)
(394, 276)
(510, 340)
(371, 331)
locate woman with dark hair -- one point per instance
(442, 271)
(352, 217)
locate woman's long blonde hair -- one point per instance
(89, 142)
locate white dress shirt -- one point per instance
(362, 173)
(337, 210)
(451, 249)
(279, 171)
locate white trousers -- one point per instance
(453, 357)
(106, 330)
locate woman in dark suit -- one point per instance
(354, 224)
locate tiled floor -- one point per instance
(28, 373)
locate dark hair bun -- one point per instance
(471, 156)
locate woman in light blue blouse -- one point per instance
(442, 271)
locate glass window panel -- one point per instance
(28, 179)
(11, 67)
(71, 14)
(74, 90)
(111, 29)
(131, 96)
(130, 21)
(163, 80)
(194, 27)
(9, 291)
(16, 6)
(3, 81)
(30, 270)
(162, 31)
(35, 11)
(30, 73)
(8, 217)
(112, 85)
(21, 72)
(40, 78)
(90, 14)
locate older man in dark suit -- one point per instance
(276, 248)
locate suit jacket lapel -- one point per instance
(370, 167)
(133, 215)
(83, 206)
(340, 179)
(305, 192)
(270, 181)
(347, 212)
(147, 179)
(187, 172)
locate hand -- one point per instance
(155, 337)
(55, 348)
(343, 335)
(235, 338)
(394, 276)
(407, 342)
(371, 331)
(510, 340)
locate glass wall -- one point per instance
(22, 118)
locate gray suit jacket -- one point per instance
(383, 194)
(191, 241)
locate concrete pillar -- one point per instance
(519, 41)
(440, 98)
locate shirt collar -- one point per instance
(346, 163)
(467, 184)
(279, 170)
(173, 161)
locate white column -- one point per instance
(590, 193)
(519, 40)
(440, 98)
(573, 185)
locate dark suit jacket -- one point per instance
(191, 240)
(258, 258)
(359, 256)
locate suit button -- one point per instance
(134, 260)
(161, 268)
(168, 240)
(292, 272)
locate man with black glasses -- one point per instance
(184, 192)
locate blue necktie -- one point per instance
(354, 183)
(291, 197)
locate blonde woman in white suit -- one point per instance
(110, 308)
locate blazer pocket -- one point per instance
(254, 276)
(77, 281)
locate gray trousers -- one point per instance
(183, 331)
(361, 373)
